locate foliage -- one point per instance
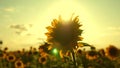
(35, 59)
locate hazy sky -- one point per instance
(23, 22)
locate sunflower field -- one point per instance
(53, 58)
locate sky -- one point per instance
(23, 22)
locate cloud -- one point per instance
(114, 28)
(9, 9)
(114, 33)
(111, 31)
(21, 29)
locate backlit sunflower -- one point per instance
(112, 52)
(91, 55)
(64, 34)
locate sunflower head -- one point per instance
(44, 47)
(11, 58)
(64, 35)
(91, 55)
(19, 64)
(42, 60)
(112, 51)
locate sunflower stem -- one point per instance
(74, 61)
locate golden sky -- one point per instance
(23, 22)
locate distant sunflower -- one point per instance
(91, 55)
(19, 64)
(112, 52)
(42, 60)
(44, 47)
(11, 58)
(64, 34)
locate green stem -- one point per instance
(73, 56)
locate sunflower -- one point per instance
(11, 58)
(19, 64)
(112, 52)
(91, 55)
(42, 60)
(44, 47)
(64, 34)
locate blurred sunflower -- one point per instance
(91, 55)
(19, 64)
(64, 34)
(112, 52)
(11, 58)
(44, 47)
(42, 60)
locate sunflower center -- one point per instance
(19, 64)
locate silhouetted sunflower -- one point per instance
(64, 34)
(91, 55)
(44, 47)
(112, 52)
